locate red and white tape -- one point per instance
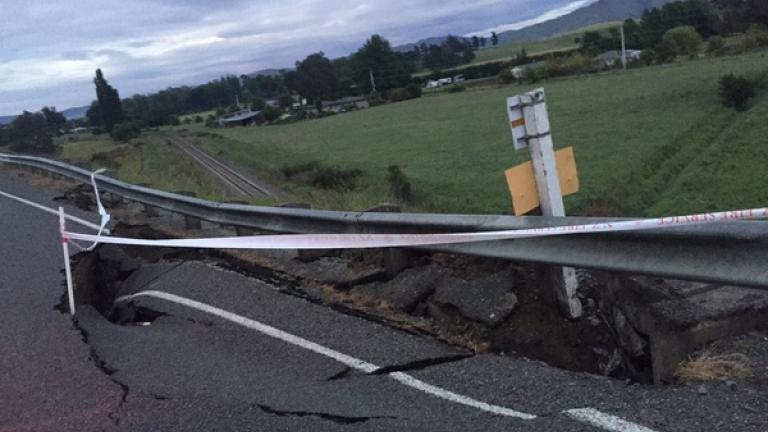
(359, 241)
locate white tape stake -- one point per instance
(67, 267)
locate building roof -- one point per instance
(240, 116)
(345, 100)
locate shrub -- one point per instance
(647, 56)
(458, 88)
(665, 51)
(271, 113)
(532, 75)
(414, 90)
(506, 76)
(335, 178)
(736, 91)
(715, 46)
(375, 99)
(685, 39)
(399, 94)
(296, 169)
(210, 121)
(126, 131)
(173, 120)
(757, 34)
(198, 119)
(399, 184)
(187, 120)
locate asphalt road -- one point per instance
(191, 370)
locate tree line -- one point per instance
(701, 19)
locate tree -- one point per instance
(389, 68)
(482, 42)
(285, 101)
(685, 39)
(30, 133)
(740, 14)
(258, 104)
(110, 107)
(494, 39)
(475, 43)
(665, 51)
(55, 119)
(315, 78)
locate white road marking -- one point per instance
(52, 211)
(605, 421)
(352, 362)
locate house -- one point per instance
(240, 118)
(346, 103)
(612, 58)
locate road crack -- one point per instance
(102, 366)
(335, 418)
(420, 364)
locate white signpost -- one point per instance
(529, 121)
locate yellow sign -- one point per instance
(522, 183)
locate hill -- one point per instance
(601, 11)
(75, 113)
(598, 12)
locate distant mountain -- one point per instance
(598, 12)
(437, 40)
(75, 113)
(269, 72)
(595, 13)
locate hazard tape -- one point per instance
(360, 241)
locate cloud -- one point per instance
(49, 50)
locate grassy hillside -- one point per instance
(647, 141)
(561, 42)
(147, 160)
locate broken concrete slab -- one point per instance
(678, 316)
(489, 300)
(408, 289)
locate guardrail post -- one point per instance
(539, 140)
(395, 259)
(304, 255)
(191, 222)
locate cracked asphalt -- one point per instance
(190, 371)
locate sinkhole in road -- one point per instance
(527, 326)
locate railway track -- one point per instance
(231, 178)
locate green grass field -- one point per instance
(562, 42)
(647, 141)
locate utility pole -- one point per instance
(373, 82)
(623, 48)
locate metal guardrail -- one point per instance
(725, 253)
